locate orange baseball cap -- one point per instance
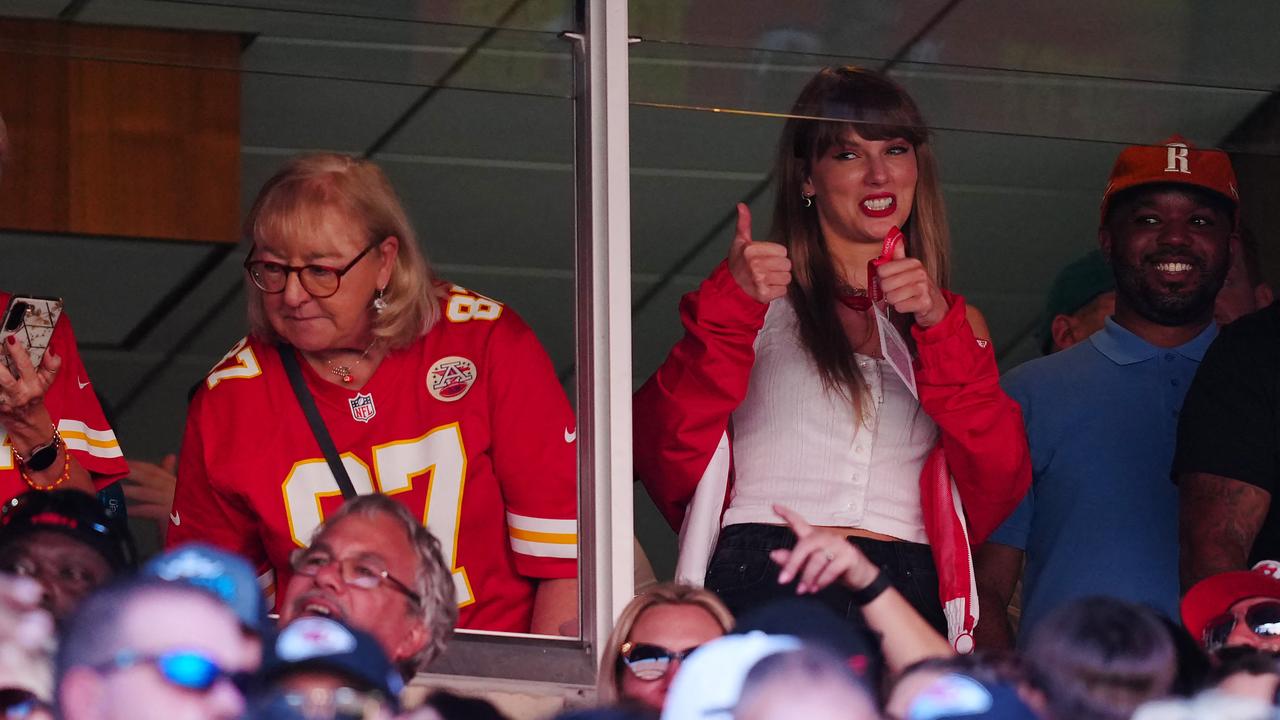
(1174, 161)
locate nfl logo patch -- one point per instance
(362, 409)
(450, 378)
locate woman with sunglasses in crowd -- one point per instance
(782, 381)
(426, 391)
(655, 632)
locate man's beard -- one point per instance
(1162, 305)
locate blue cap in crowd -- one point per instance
(960, 697)
(227, 576)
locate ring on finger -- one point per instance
(829, 555)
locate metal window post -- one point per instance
(603, 174)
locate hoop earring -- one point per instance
(808, 200)
(378, 303)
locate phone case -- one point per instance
(31, 320)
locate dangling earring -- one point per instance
(808, 200)
(378, 303)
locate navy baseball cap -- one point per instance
(227, 576)
(76, 514)
(318, 643)
(813, 622)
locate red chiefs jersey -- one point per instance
(467, 426)
(73, 405)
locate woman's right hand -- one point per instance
(761, 269)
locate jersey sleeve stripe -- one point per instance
(551, 538)
(267, 582)
(99, 443)
(547, 550)
(542, 525)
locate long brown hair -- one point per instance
(834, 102)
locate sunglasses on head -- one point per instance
(650, 662)
(1263, 619)
(187, 669)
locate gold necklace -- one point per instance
(345, 372)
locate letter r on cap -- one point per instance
(1178, 160)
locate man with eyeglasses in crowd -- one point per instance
(64, 540)
(151, 649)
(373, 566)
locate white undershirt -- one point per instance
(796, 443)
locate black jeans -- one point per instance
(744, 577)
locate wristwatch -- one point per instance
(41, 457)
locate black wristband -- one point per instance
(863, 597)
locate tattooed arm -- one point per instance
(1218, 519)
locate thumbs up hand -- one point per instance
(908, 288)
(761, 269)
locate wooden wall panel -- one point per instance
(121, 131)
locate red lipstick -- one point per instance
(878, 205)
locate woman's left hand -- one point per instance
(819, 559)
(908, 288)
(22, 397)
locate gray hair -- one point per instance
(433, 582)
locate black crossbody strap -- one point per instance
(318, 429)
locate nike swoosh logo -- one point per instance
(82, 385)
(570, 436)
(175, 518)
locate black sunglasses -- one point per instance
(650, 662)
(1263, 619)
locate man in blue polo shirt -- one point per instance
(1101, 517)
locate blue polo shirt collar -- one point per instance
(1124, 348)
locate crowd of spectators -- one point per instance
(873, 523)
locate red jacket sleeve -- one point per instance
(983, 436)
(680, 413)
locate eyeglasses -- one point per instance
(319, 281)
(363, 571)
(187, 669)
(70, 575)
(18, 704)
(1263, 619)
(650, 662)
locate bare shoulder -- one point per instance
(977, 321)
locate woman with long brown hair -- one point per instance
(782, 382)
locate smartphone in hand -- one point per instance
(31, 320)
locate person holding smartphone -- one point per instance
(53, 433)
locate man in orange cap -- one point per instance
(1101, 416)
